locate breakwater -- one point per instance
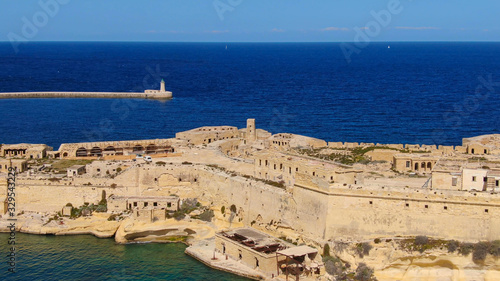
(145, 95)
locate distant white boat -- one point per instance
(388, 47)
(226, 47)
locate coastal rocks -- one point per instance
(97, 225)
(392, 263)
(163, 231)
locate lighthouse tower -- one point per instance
(162, 86)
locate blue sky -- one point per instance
(249, 20)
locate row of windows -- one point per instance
(485, 179)
(407, 205)
(155, 204)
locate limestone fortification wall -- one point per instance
(159, 95)
(313, 207)
(430, 148)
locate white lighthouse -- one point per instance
(162, 86)
(161, 94)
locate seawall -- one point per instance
(20, 95)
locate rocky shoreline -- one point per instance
(387, 258)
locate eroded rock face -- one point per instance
(163, 231)
(392, 263)
(96, 225)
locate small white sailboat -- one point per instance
(388, 47)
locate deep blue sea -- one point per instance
(431, 93)
(86, 257)
(409, 93)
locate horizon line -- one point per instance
(260, 42)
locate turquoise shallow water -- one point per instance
(85, 257)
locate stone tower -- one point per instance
(251, 130)
(162, 86)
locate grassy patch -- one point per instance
(64, 164)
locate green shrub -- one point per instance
(377, 241)
(112, 217)
(326, 250)
(466, 248)
(334, 267)
(421, 240)
(453, 246)
(363, 249)
(118, 169)
(207, 215)
(480, 251)
(363, 272)
(495, 248)
(233, 208)
(223, 209)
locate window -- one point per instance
(135, 204)
(474, 178)
(407, 205)
(297, 169)
(260, 162)
(290, 170)
(445, 207)
(485, 151)
(485, 179)
(155, 204)
(496, 183)
(472, 151)
(169, 204)
(454, 181)
(145, 204)
(371, 202)
(407, 164)
(485, 210)
(275, 166)
(427, 206)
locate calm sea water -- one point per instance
(410, 93)
(85, 257)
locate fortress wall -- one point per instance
(461, 149)
(42, 198)
(429, 147)
(412, 146)
(314, 209)
(254, 201)
(335, 145)
(382, 154)
(356, 218)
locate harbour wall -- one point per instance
(111, 95)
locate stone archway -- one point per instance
(96, 151)
(81, 152)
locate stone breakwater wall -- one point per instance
(19, 95)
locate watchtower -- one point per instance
(251, 130)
